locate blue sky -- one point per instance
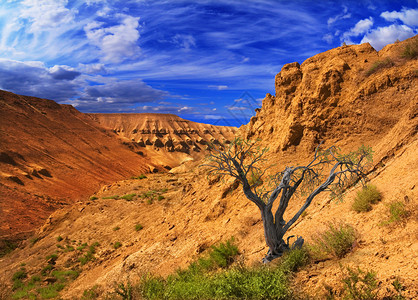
(209, 61)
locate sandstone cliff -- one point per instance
(351, 93)
(167, 139)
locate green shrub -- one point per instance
(365, 198)
(397, 285)
(34, 240)
(53, 257)
(46, 270)
(128, 197)
(82, 246)
(19, 275)
(114, 197)
(223, 255)
(336, 241)
(360, 285)
(234, 283)
(91, 293)
(294, 259)
(142, 176)
(201, 281)
(160, 197)
(51, 290)
(116, 228)
(117, 245)
(89, 256)
(69, 248)
(59, 238)
(92, 198)
(379, 65)
(410, 50)
(138, 227)
(125, 291)
(62, 276)
(397, 212)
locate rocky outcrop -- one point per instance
(165, 132)
(335, 95)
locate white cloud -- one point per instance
(184, 41)
(407, 16)
(117, 42)
(63, 72)
(46, 14)
(218, 87)
(328, 38)
(343, 15)
(382, 36)
(361, 27)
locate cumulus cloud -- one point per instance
(46, 14)
(66, 85)
(407, 16)
(118, 42)
(34, 79)
(63, 72)
(382, 36)
(361, 27)
(127, 91)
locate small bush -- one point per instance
(92, 198)
(117, 245)
(34, 240)
(128, 197)
(46, 270)
(125, 291)
(142, 176)
(397, 212)
(59, 238)
(336, 241)
(51, 290)
(19, 275)
(114, 197)
(224, 254)
(69, 248)
(91, 293)
(379, 65)
(82, 246)
(397, 285)
(365, 198)
(411, 50)
(53, 257)
(360, 285)
(160, 197)
(89, 256)
(295, 259)
(116, 228)
(138, 227)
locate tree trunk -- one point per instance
(274, 239)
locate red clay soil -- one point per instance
(52, 155)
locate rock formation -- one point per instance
(166, 132)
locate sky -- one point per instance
(207, 61)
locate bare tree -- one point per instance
(328, 170)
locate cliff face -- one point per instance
(166, 138)
(347, 93)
